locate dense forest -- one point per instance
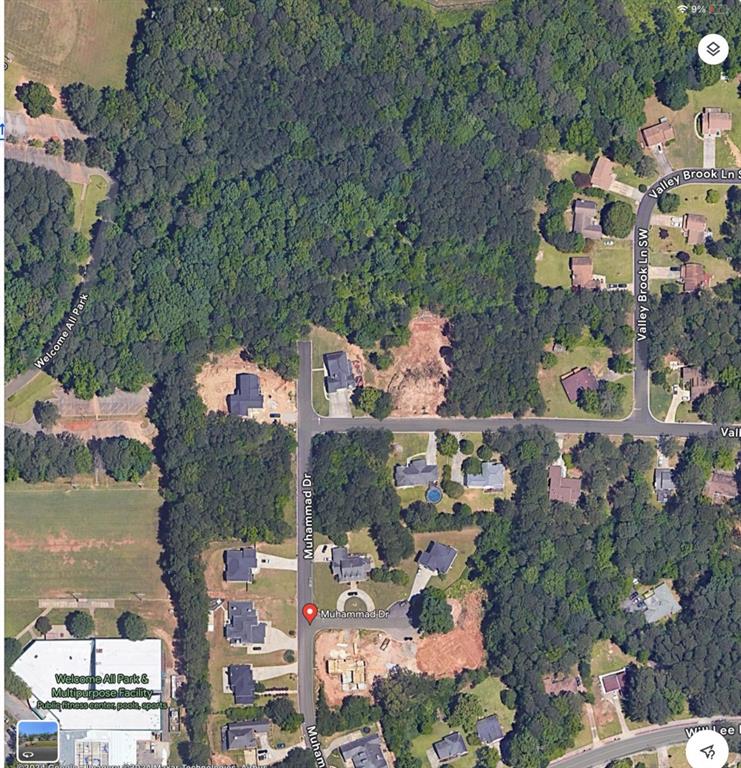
(42, 252)
(556, 575)
(346, 163)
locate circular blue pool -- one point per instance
(434, 495)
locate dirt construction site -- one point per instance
(416, 379)
(218, 378)
(436, 655)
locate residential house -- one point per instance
(721, 486)
(612, 682)
(576, 380)
(657, 134)
(582, 273)
(242, 626)
(417, 473)
(450, 747)
(695, 382)
(346, 567)
(660, 603)
(713, 121)
(339, 373)
(603, 175)
(491, 477)
(562, 488)
(241, 683)
(366, 752)
(585, 220)
(489, 730)
(663, 484)
(241, 564)
(243, 734)
(247, 396)
(694, 227)
(438, 557)
(693, 276)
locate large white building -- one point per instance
(115, 733)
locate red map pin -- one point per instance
(310, 611)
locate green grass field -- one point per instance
(63, 41)
(615, 262)
(86, 199)
(488, 693)
(98, 543)
(552, 268)
(607, 657)
(594, 357)
(19, 407)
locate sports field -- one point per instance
(63, 41)
(97, 543)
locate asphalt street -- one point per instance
(640, 423)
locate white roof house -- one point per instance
(43, 660)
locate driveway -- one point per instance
(275, 563)
(665, 220)
(339, 404)
(625, 190)
(708, 151)
(662, 273)
(421, 578)
(665, 167)
(268, 673)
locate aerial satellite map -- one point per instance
(372, 383)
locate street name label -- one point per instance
(307, 491)
(700, 175)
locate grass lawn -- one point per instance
(649, 759)
(488, 693)
(677, 757)
(99, 543)
(660, 400)
(615, 262)
(14, 74)
(326, 589)
(406, 446)
(274, 593)
(609, 729)
(63, 42)
(607, 657)
(584, 737)
(87, 197)
(424, 741)
(686, 414)
(563, 165)
(318, 398)
(19, 407)
(444, 17)
(463, 541)
(594, 357)
(552, 269)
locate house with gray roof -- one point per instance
(243, 734)
(241, 564)
(438, 557)
(242, 626)
(417, 473)
(660, 603)
(491, 477)
(663, 484)
(241, 683)
(450, 747)
(366, 752)
(346, 567)
(247, 396)
(339, 372)
(489, 730)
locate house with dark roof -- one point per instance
(582, 273)
(585, 220)
(663, 484)
(338, 371)
(489, 730)
(693, 380)
(243, 734)
(562, 488)
(247, 396)
(438, 557)
(491, 477)
(576, 380)
(713, 121)
(241, 683)
(366, 752)
(657, 134)
(603, 175)
(346, 567)
(721, 487)
(450, 747)
(417, 473)
(241, 564)
(693, 276)
(694, 226)
(612, 682)
(242, 627)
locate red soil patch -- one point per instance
(416, 379)
(461, 648)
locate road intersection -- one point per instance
(639, 423)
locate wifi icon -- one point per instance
(683, 8)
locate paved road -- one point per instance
(18, 709)
(645, 740)
(20, 125)
(74, 172)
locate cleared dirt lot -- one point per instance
(462, 648)
(417, 377)
(218, 378)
